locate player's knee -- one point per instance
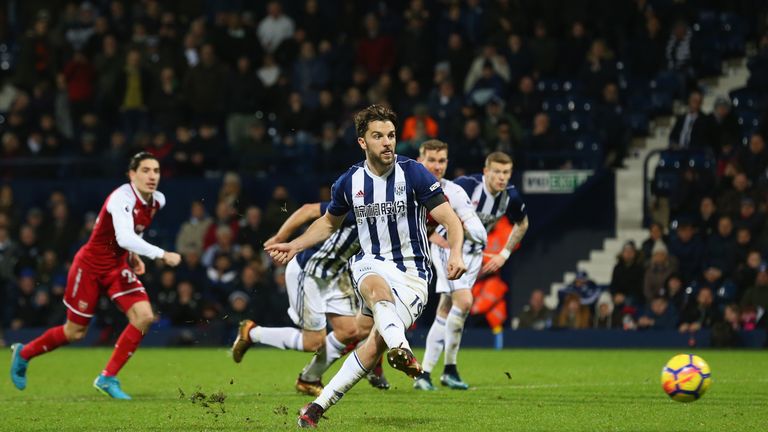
(346, 334)
(74, 333)
(313, 341)
(464, 305)
(143, 320)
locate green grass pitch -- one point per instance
(511, 390)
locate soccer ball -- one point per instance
(686, 377)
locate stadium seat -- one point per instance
(746, 98)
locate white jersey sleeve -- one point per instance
(120, 206)
(463, 207)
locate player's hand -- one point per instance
(275, 239)
(439, 241)
(456, 266)
(493, 265)
(171, 258)
(137, 265)
(281, 253)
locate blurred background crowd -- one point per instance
(229, 89)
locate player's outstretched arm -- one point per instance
(320, 230)
(445, 216)
(302, 216)
(498, 260)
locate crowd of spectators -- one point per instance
(270, 88)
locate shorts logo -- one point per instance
(399, 188)
(82, 305)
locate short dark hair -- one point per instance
(373, 113)
(138, 158)
(498, 157)
(433, 144)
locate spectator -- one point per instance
(485, 66)
(544, 50)
(134, 90)
(252, 231)
(31, 306)
(536, 315)
(725, 126)
(659, 269)
(604, 312)
(753, 159)
(699, 315)
(757, 295)
(655, 234)
(598, 69)
(628, 274)
(726, 332)
(586, 289)
(278, 209)
(707, 217)
(205, 87)
(274, 28)
(688, 248)
(746, 271)
(191, 233)
(167, 102)
(187, 308)
(721, 246)
(678, 55)
(660, 316)
(691, 130)
(224, 245)
(375, 51)
(573, 315)
(573, 50)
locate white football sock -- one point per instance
(454, 327)
(389, 324)
(435, 344)
(323, 359)
(278, 337)
(350, 373)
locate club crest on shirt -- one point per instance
(399, 188)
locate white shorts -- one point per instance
(440, 257)
(311, 298)
(409, 291)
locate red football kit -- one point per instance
(102, 263)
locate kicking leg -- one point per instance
(354, 368)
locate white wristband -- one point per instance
(505, 253)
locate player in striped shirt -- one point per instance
(491, 196)
(320, 290)
(389, 197)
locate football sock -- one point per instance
(454, 327)
(323, 359)
(351, 372)
(389, 324)
(435, 343)
(278, 337)
(47, 342)
(126, 345)
(450, 369)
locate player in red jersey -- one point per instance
(109, 263)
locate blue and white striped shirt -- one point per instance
(327, 259)
(390, 212)
(490, 208)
